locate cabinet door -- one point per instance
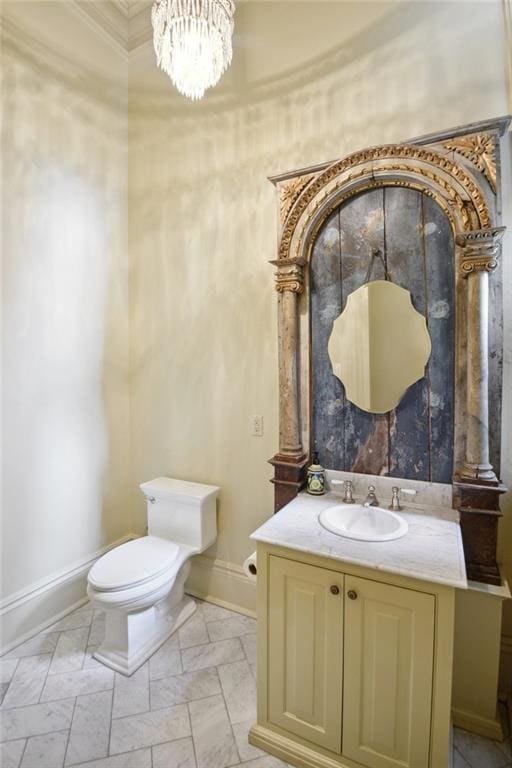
(387, 697)
(305, 647)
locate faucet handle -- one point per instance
(395, 500)
(348, 498)
(347, 484)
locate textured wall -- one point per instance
(203, 226)
(64, 311)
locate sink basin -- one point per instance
(353, 521)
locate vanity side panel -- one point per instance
(262, 597)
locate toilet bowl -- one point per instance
(141, 584)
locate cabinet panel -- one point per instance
(389, 645)
(305, 651)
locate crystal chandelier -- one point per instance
(192, 40)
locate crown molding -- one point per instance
(137, 7)
(140, 29)
(109, 17)
(59, 65)
(126, 23)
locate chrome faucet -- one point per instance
(371, 499)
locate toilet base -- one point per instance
(131, 638)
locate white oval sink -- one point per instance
(353, 521)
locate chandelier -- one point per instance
(192, 40)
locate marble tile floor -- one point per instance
(190, 706)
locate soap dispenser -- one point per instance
(316, 477)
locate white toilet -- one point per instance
(140, 584)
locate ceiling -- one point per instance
(276, 42)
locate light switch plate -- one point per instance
(257, 425)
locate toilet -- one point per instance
(141, 584)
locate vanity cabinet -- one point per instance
(354, 665)
(305, 651)
(388, 659)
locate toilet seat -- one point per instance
(134, 564)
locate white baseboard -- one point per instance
(222, 583)
(483, 726)
(32, 609)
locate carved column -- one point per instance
(480, 253)
(476, 488)
(289, 463)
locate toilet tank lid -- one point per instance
(179, 489)
(133, 563)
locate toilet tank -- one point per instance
(181, 511)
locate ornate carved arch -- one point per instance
(436, 175)
(457, 170)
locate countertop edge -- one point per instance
(455, 583)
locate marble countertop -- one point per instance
(430, 551)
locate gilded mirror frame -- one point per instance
(458, 170)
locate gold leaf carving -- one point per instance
(480, 250)
(289, 275)
(289, 192)
(480, 149)
(414, 159)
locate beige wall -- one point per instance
(65, 312)
(203, 225)
(202, 220)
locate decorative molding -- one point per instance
(61, 67)
(223, 583)
(110, 17)
(35, 607)
(126, 22)
(122, 24)
(44, 625)
(214, 580)
(498, 124)
(481, 249)
(292, 750)
(382, 162)
(78, 568)
(479, 149)
(456, 181)
(289, 275)
(483, 726)
(289, 192)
